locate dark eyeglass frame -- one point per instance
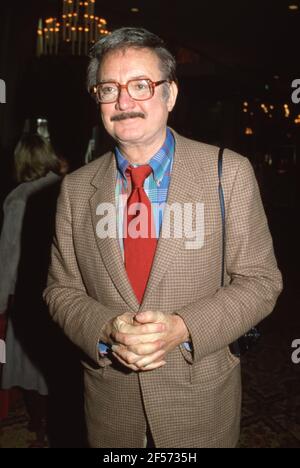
(152, 86)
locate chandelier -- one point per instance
(77, 30)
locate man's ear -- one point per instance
(173, 91)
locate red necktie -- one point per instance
(139, 250)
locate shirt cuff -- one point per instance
(103, 348)
(188, 346)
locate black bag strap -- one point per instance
(223, 213)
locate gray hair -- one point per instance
(125, 38)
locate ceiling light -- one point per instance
(135, 10)
(294, 7)
(78, 26)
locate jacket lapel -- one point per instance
(105, 183)
(184, 188)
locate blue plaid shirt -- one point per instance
(156, 186)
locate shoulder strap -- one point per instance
(222, 207)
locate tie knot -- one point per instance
(139, 174)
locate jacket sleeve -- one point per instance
(253, 279)
(81, 317)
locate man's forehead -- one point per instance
(141, 56)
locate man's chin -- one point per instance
(128, 134)
(128, 126)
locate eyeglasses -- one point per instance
(140, 90)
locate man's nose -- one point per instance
(124, 101)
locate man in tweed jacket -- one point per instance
(169, 378)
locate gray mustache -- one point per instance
(127, 115)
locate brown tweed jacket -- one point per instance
(194, 400)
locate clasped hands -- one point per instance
(141, 341)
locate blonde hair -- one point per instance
(34, 158)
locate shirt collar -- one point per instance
(159, 162)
